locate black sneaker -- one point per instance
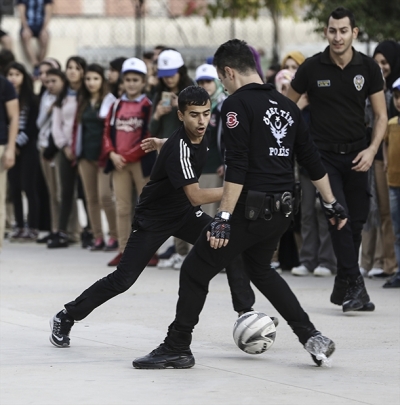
(60, 240)
(321, 348)
(165, 357)
(86, 239)
(394, 282)
(356, 295)
(60, 326)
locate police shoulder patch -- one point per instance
(231, 120)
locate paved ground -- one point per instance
(96, 369)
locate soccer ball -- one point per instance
(254, 332)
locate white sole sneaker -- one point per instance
(300, 271)
(322, 272)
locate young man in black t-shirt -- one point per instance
(169, 206)
(337, 82)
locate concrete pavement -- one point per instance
(35, 282)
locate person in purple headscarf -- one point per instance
(256, 57)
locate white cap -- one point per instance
(168, 63)
(134, 65)
(206, 72)
(396, 84)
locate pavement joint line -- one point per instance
(289, 385)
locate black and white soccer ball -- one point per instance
(254, 332)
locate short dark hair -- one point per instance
(57, 72)
(117, 63)
(192, 95)
(342, 12)
(237, 55)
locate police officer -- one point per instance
(263, 131)
(337, 82)
(169, 206)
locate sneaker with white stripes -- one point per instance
(60, 326)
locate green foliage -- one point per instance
(242, 9)
(233, 9)
(377, 20)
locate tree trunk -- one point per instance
(276, 37)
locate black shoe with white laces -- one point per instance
(165, 357)
(60, 326)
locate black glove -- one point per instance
(334, 210)
(220, 227)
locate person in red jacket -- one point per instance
(125, 127)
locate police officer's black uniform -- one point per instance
(263, 131)
(337, 101)
(163, 211)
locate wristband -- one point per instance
(225, 215)
(329, 205)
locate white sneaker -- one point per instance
(178, 261)
(321, 271)
(167, 263)
(375, 272)
(300, 271)
(363, 272)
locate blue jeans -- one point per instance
(394, 200)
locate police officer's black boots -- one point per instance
(339, 291)
(356, 295)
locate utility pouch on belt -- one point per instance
(255, 205)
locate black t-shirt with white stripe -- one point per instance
(179, 164)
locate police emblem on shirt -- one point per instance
(278, 121)
(358, 82)
(231, 120)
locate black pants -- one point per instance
(351, 190)
(143, 242)
(257, 241)
(68, 179)
(22, 177)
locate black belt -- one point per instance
(261, 205)
(342, 148)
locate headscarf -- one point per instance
(218, 95)
(297, 56)
(256, 57)
(391, 51)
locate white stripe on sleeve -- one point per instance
(185, 160)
